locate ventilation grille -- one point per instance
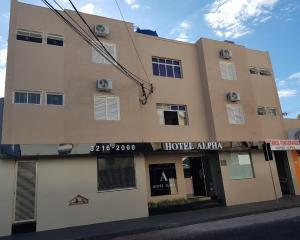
(25, 191)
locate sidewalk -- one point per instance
(114, 229)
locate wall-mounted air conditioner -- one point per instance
(101, 30)
(233, 96)
(104, 85)
(225, 54)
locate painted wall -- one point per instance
(259, 188)
(7, 185)
(59, 180)
(69, 70)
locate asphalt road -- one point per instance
(282, 230)
(280, 225)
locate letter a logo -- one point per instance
(163, 177)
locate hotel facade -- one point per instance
(79, 148)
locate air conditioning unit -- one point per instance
(225, 54)
(233, 96)
(104, 85)
(101, 30)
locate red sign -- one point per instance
(282, 145)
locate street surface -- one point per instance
(279, 225)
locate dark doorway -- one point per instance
(284, 173)
(206, 176)
(200, 176)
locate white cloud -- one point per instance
(2, 81)
(182, 37)
(294, 76)
(3, 56)
(133, 4)
(181, 31)
(233, 18)
(282, 83)
(265, 19)
(88, 8)
(284, 93)
(185, 25)
(6, 15)
(130, 2)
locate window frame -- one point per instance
(55, 35)
(162, 107)
(54, 93)
(251, 165)
(27, 92)
(118, 189)
(253, 70)
(29, 33)
(267, 111)
(165, 64)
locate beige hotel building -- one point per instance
(79, 148)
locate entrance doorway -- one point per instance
(203, 177)
(25, 198)
(284, 173)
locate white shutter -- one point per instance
(228, 71)
(232, 71)
(235, 114)
(100, 107)
(98, 58)
(113, 110)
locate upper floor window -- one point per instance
(53, 39)
(253, 70)
(171, 114)
(270, 111)
(29, 36)
(228, 71)
(166, 67)
(27, 97)
(265, 72)
(260, 71)
(99, 59)
(106, 108)
(235, 114)
(54, 99)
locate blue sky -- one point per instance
(268, 25)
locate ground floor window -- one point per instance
(163, 179)
(116, 172)
(240, 165)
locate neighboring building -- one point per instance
(199, 137)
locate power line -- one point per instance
(135, 48)
(100, 49)
(141, 84)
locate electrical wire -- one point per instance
(100, 48)
(135, 48)
(93, 33)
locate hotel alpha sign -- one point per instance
(153, 147)
(188, 146)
